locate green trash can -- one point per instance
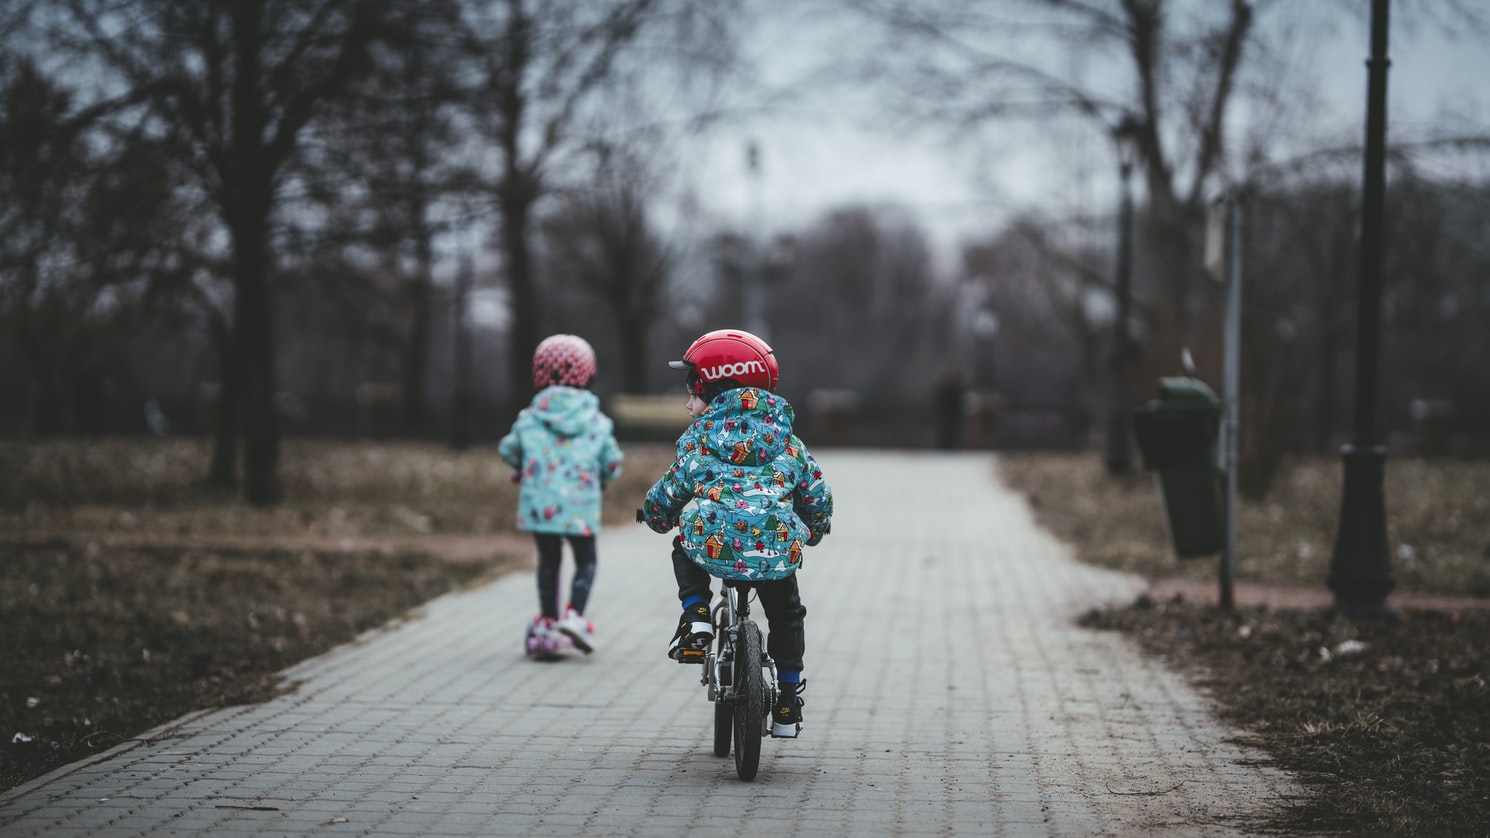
(1176, 435)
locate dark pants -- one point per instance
(550, 554)
(785, 642)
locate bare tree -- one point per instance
(400, 141)
(84, 216)
(234, 84)
(859, 299)
(603, 240)
(42, 166)
(1041, 283)
(1175, 68)
(543, 66)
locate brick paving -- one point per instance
(950, 693)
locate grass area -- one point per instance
(1436, 514)
(103, 644)
(106, 638)
(1389, 722)
(333, 489)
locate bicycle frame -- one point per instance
(730, 614)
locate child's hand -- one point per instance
(660, 526)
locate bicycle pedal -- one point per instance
(690, 656)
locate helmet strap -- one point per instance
(707, 391)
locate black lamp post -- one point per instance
(1360, 568)
(1119, 457)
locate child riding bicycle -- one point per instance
(746, 497)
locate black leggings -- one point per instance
(550, 554)
(785, 613)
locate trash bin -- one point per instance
(1176, 436)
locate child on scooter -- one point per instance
(564, 452)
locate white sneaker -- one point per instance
(579, 630)
(786, 716)
(542, 642)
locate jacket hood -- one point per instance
(566, 411)
(747, 426)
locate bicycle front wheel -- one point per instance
(724, 709)
(749, 708)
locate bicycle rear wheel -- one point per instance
(748, 709)
(724, 716)
(724, 709)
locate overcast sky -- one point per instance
(818, 154)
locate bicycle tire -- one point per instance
(748, 709)
(724, 727)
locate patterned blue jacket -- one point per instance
(744, 492)
(565, 452)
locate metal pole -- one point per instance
(1360, 568)
(1119, 457)
(1231, 389)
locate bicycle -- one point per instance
(742, 705)
(741, 679)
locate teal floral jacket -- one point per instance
(744, 492)
(565, 452)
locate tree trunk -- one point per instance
(633, 354)
(45, 405)
(1323, 419)
(255, 350)
(416, 353)
(249, 194)
(517, 205)
(223, 473)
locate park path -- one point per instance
(951, 693)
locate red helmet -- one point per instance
(563, 359)
(729, 354)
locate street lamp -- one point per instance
(1119, 457)
(1360, 568)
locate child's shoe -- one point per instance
(786, 715)
(543, 642)
(578, 629)
(695, 631)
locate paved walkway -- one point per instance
(951, 694)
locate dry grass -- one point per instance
(131, 595)
(1436, 514)
(333, 489)
(102, 644)
(1388, 722)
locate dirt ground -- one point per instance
(105, 642)
(1389, 722)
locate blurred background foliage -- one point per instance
(252, 222)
